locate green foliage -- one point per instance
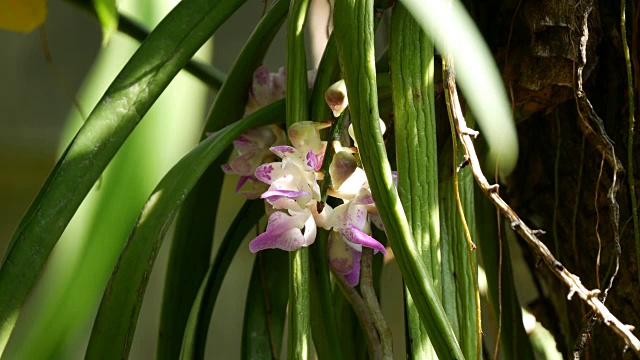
(108, 17)
(422, 218)
(189, 258)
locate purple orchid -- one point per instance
(343, 258)
(284, 231)
(351, 219)
(251, 150)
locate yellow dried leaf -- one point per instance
(22, 15)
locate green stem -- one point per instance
(192, 239)
(362, 312)
(354, 38)
(370, 299)
(297, 110)
(630, 158)
(413, 87)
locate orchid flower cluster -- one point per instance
(286, 177)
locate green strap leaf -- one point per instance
(108, 17)
(477, 73)
(189, 258)
(457, 275)
(514, 341)
(266, 306)
(208, 74)
(298, 110)
(195, 338)
(167, 49)
(324, 325)
(354, 35)
(412, 79)
(118, 313)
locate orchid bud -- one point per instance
(305, 136)
(336, 97)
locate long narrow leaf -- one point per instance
(116, 320)
(412, 61)
(146, 75)
(298, 110)
(195, 338)
(451, 27)
(266, 305)
(354, 35)
(108, 17)
(191, 246)
(324, 326)
(514, 340)
(206, 73)
(457, 275)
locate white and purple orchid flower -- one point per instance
(290, 186)
(252, 148)
(351, 221)
(293, 186)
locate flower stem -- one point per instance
(362, 312)
(370, 299)
(354, 38)
(297, 110)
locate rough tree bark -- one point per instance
(539, 53)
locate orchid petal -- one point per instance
(291, 194)
(353, 277)
(289, 240)
(305, 135)
(241, 181)
(252, 188)
(339, 254)
(322, 217)
(284, 151)
(357, 236)
(227, 169)
(310, 231)
(246, 163)
(283, 232)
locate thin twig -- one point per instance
(369, 297)
(590, 297)
(362, 313)
(446, 60)
(497, 349)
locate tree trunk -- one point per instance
(565, 168)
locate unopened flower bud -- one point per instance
(336, 97)
(305, 136)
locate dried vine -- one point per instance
(590, 297)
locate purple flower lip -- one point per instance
(263, 171)
(357, 236)
(273, 195)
